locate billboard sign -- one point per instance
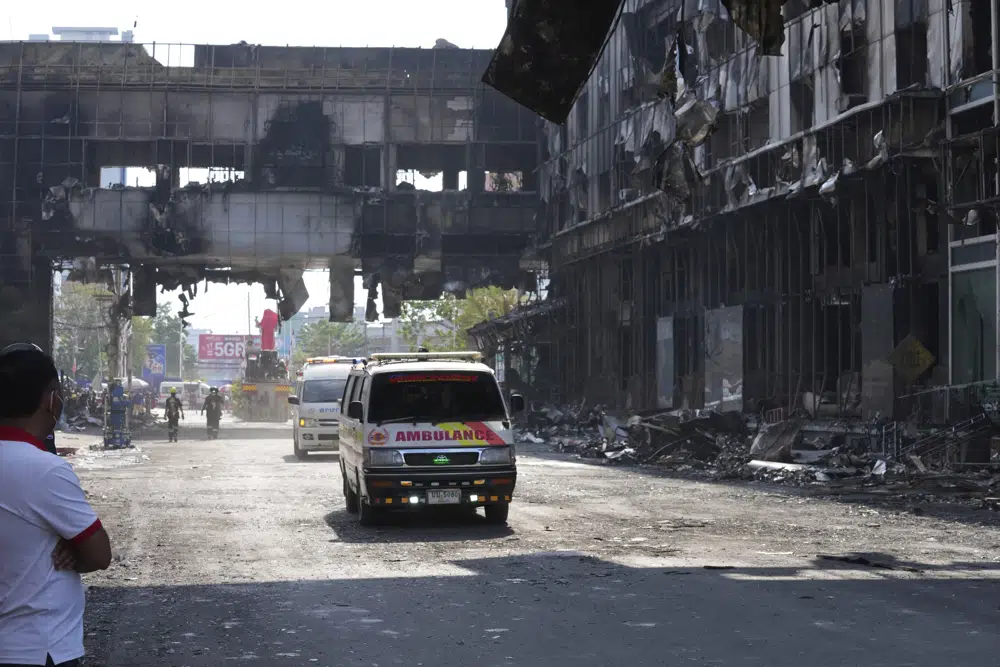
(154, 368)
(221, 348)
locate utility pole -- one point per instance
(180, 354)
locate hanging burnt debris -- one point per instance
(548, 51)
(551, 46)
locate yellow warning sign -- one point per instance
(911, 359)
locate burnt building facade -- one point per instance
(320, 138)
(813, 231)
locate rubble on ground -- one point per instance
(724, 446)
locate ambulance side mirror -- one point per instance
(293, 400)
(355, 410)
(517, 402)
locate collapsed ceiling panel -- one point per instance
(548, 51)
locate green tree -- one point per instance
(142, 335)
(80, 324)
(441, 324)
(168, 330)
(319, 339)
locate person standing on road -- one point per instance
(174, 410)
(49, 533)
(213, 409)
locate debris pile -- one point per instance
(827, 459)
(684, 440)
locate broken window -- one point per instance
(363, 166)
(802, 105)
(853, 65)
(605, 199)
(504, 181)
(980, 60)
(911, 55)
(973, 325)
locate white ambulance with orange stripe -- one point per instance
(426, 429)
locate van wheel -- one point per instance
(300, 454)
(497, 514)
(368, 515)
(350, 497)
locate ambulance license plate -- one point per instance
(448, 497)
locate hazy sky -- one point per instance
(467, 23)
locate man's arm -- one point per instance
(66, 510)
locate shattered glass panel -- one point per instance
(724, 359)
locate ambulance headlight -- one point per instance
(308, 423)
(494, 456)
(382, 458)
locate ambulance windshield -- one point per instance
(435, 396)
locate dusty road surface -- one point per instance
(232, 552)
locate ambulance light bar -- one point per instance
(426, 356)
(331, 360)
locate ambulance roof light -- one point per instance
(427, 356)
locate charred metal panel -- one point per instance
(877, 343)
(294, 292)
(220, 116)
(255, 229)
(144, 291)
(724, 359)
(548, 51)
(665, 376)
(424, 119)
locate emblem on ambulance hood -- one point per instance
(378, 436)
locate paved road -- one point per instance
(233, 552)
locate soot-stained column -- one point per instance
(341, 291)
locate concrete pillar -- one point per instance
(389, 167)
(475, 174)
(341, 291)
(450, 179)
(26, 303)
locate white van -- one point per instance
(424, 429)
(319, 388)
(165, 388)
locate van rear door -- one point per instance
(446, 408)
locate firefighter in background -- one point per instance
(212, 408)
(174, 409)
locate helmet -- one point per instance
(215, 390)
(173, 391)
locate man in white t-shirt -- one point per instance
(49, 534)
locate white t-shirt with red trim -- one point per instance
(41, 608)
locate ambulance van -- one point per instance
(423, 430)
(316, 404)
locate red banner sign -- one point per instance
(215, 347)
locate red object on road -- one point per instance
(268, 323)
